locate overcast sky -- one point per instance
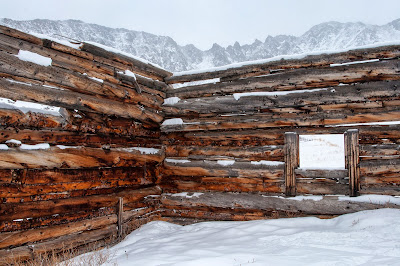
(204, 22)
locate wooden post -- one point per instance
(291, 162)
(120, 210)
(353, 160)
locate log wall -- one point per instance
(61, 181)
(241, 115)
(222, 146)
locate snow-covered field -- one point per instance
(363, 238)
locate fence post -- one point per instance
(120, 211)
(353, 160)
(291, 162)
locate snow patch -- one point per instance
(130, 74)
(187, 194)
(93, 78)
(3, 147)
(41, 146)
(58, 40)
(195, 83)
(375, 199)
(176, 161)
(386, 123)
(237, 96)
(171, 100)
(14, 141)
(269, 163)
(142, 150)
(354, 62)
(172, 121)
(26, 107)
(362, 238)
(34, 58)
(225, 162)
(63, 147)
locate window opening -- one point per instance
(322, 151)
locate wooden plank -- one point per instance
(296, 79)
(13, 211)
(379, 151)
(291, 162)
(74, 100)
(321, 173)
(321, 60)
(353, 160)
(20, 35)
(120, 211)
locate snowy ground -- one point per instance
(364, 238)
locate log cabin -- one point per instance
(95, 143)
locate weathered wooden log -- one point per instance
(289, 120)
(296, 79)
(379, 151)
(328, 205)
(66, 175)
(20, 35)
(353, 160)
(322, 60)
(273, 188)
(291, 149)
(56, 137)
(145, 69)
(268, 153)
(77, 157)
(44, 208)
(77, 122)
(335, 174)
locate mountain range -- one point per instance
(164, 51)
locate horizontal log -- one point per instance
(308, 173)
(356, 96)
(145, 69)
(74, 100)
(55, 137)
(14, 211)
(328, 205)
(274, 188)
(77, 122)
(212, 168)
(65, 175)
(76, 157)
(321, 60)
(379, 151)
(274, 153)
(322, 188)
(20, 35)
(289, 120)
(297, 79)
